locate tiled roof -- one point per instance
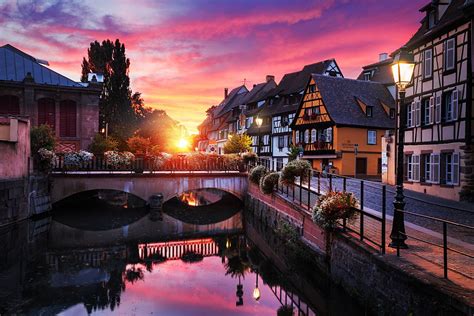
(382, 72)
(292, 84)
(454, 13)
(233, 99)
(340, 98)
(15, 65)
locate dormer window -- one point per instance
(369, 111)
(367, 75)
(431, 19)
(312, 88)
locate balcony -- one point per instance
(319, 148)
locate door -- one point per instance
(361, 166)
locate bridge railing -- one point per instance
(201, 163)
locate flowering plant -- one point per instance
(76, 159)
(160, 159)
(116, 159)
(47, 159)
(334, 206)
(295, 168)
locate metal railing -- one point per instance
(150, 165)
(444, 246)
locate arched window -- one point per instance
(67, 118)
(313, 135)
(306, 136)
(9, 104)
(47, 112)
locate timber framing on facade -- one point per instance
(339, 124)
(438, 137)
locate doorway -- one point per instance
(361, 166)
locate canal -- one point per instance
(104, 252)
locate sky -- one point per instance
(183, 53)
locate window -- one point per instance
(426, 106)
(392, 113)
(281, 142)
(449, 54)
(430, 168)
(312, 88)
(450, 167)
(306, 136)
(328, 134)
(369, 111)
(297, 137)
(412, 163)
(371, 137)
(409, 110)
(47, 112)
(431, 19)
(417, 113)
(450, 106)
(277, 121)
(9, 104)
(427, 63)
(367, 75)
(67, 118)
(313, 135)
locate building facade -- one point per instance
(439, 130)
(340, 122)
(30, 89)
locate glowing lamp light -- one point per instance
(228, 244)
(258, 121)
(256, 294)
(402, 68)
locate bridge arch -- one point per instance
(144, 186)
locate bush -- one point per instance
(139, 145)
(256, 174)
(42, 137)
(334, 206)
(268, 182)
(232, 161)
(293, 169)
(249, 157)
(116, 159)
(238, 143)
(76, 159)
(101, 144)
(46, 159)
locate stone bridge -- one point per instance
(145, 185)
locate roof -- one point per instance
(292, 84)
(455, 13)
(259, 93)
(382, 72)
(340, 99)
(16, 64)
(233, 99)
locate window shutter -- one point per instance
(438, 109)
(455, 168)
(455, 104)
(432, 108)
(435, 168)
(416, 168)
(418, 113)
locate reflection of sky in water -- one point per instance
(178, 288)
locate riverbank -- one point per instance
(386, 283)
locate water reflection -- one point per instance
(166, 267)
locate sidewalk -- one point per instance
(420, 256)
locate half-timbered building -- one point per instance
(380, 71)
(279, 109)
(339, 124)
(439, 129)
(29, 88)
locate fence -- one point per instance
(305, 194)
(202, 163)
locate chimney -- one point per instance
(269, 78)
(226, 93)
(383, 56)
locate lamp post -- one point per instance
(259, 122)
(402, 70)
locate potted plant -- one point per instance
(293, 169)
(256, 174)
(268, 182)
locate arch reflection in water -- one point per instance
(203, 206)
(99, 210)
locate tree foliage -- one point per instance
(42, 137)
(237, 144)
(139, 145)
(101, 144)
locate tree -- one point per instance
(115, 105)
(101, 144)
(237, 144)
(139, 145)
(42, 137)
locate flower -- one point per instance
(334, 206)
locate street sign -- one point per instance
(356, 149)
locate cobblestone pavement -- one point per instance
(462, 213)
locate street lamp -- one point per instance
(402, 69)
(256, 291)
(259, 122)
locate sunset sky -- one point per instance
(185, 52)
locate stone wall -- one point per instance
(467, 173)
(388, 285)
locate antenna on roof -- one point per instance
(42, 61)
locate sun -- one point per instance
(183, 143)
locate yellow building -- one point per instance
(340, 122)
